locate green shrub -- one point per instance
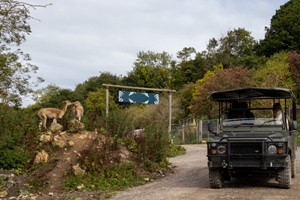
(119, 123)
(154, 144)
(175, 150)
(14, 158)
(114, 177)
(18, 136)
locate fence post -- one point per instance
(182, 132)
(201, 130)
(197, 130)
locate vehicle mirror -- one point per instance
(210, 128)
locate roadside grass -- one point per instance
(120, 176)
(175, 150)
(114, 177)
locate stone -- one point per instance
(75, 126)
(78, 171)
(71, 143)
(59, 141)
(45, 138)
(3, 194)
(41, 157)
(80, 187)
(56, 128)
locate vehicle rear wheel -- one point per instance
(285, 175)
(216, 178)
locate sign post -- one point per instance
(141, 98)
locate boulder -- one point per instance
(71, 143)
(3, 194)
(59, 141)
(45, 138)
(56, 128)
(78, 171)
(41, 157)
(75, 126)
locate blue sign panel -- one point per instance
(138, 97)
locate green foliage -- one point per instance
(96, 107)
(294, 68)
(119, 123)
(284, 32)
(18, 137)
(15, 158)
(175, 150)
(115, 177)
(146, 114)
(231, 49)
(188, 71)
(153, 59)
(275, 73)
(154, 144)
(15, 69)
(94, 83)
(150, 70)
(216, 81)
(184, 96)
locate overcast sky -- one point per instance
(74, 40)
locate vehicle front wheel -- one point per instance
(285, 175)
(216, 178)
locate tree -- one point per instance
(284, 31)
(237, 44)
(150, 70)
(186, 54)
(217, 80)
(188, 70)
(15, 69)
(96, 103)
(294, 68)
(53, 96)
(94, 83)
(184, 96)
(275, 73)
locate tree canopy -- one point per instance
(15, 67)
(230, 49)
(217, 80)
(283, 33)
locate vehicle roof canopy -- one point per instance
(252, 93)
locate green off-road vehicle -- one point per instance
(255, 134)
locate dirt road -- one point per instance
(190, 182)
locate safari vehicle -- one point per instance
(249, 139)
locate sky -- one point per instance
(73, 40)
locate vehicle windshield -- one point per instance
(257, 114)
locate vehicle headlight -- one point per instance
(272, 149)
(221, 149)
(213, 144)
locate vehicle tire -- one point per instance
(216, 178)
(285, 175)
(293, 168)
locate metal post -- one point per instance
(107, 99)
(182, 134)
(201, 130)
(170, 112)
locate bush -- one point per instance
(14, 158)
(18, 136)
(154, 144)
(175, 150)
(115, 177)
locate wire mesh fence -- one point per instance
(192, 131)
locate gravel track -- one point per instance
(190, 181)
